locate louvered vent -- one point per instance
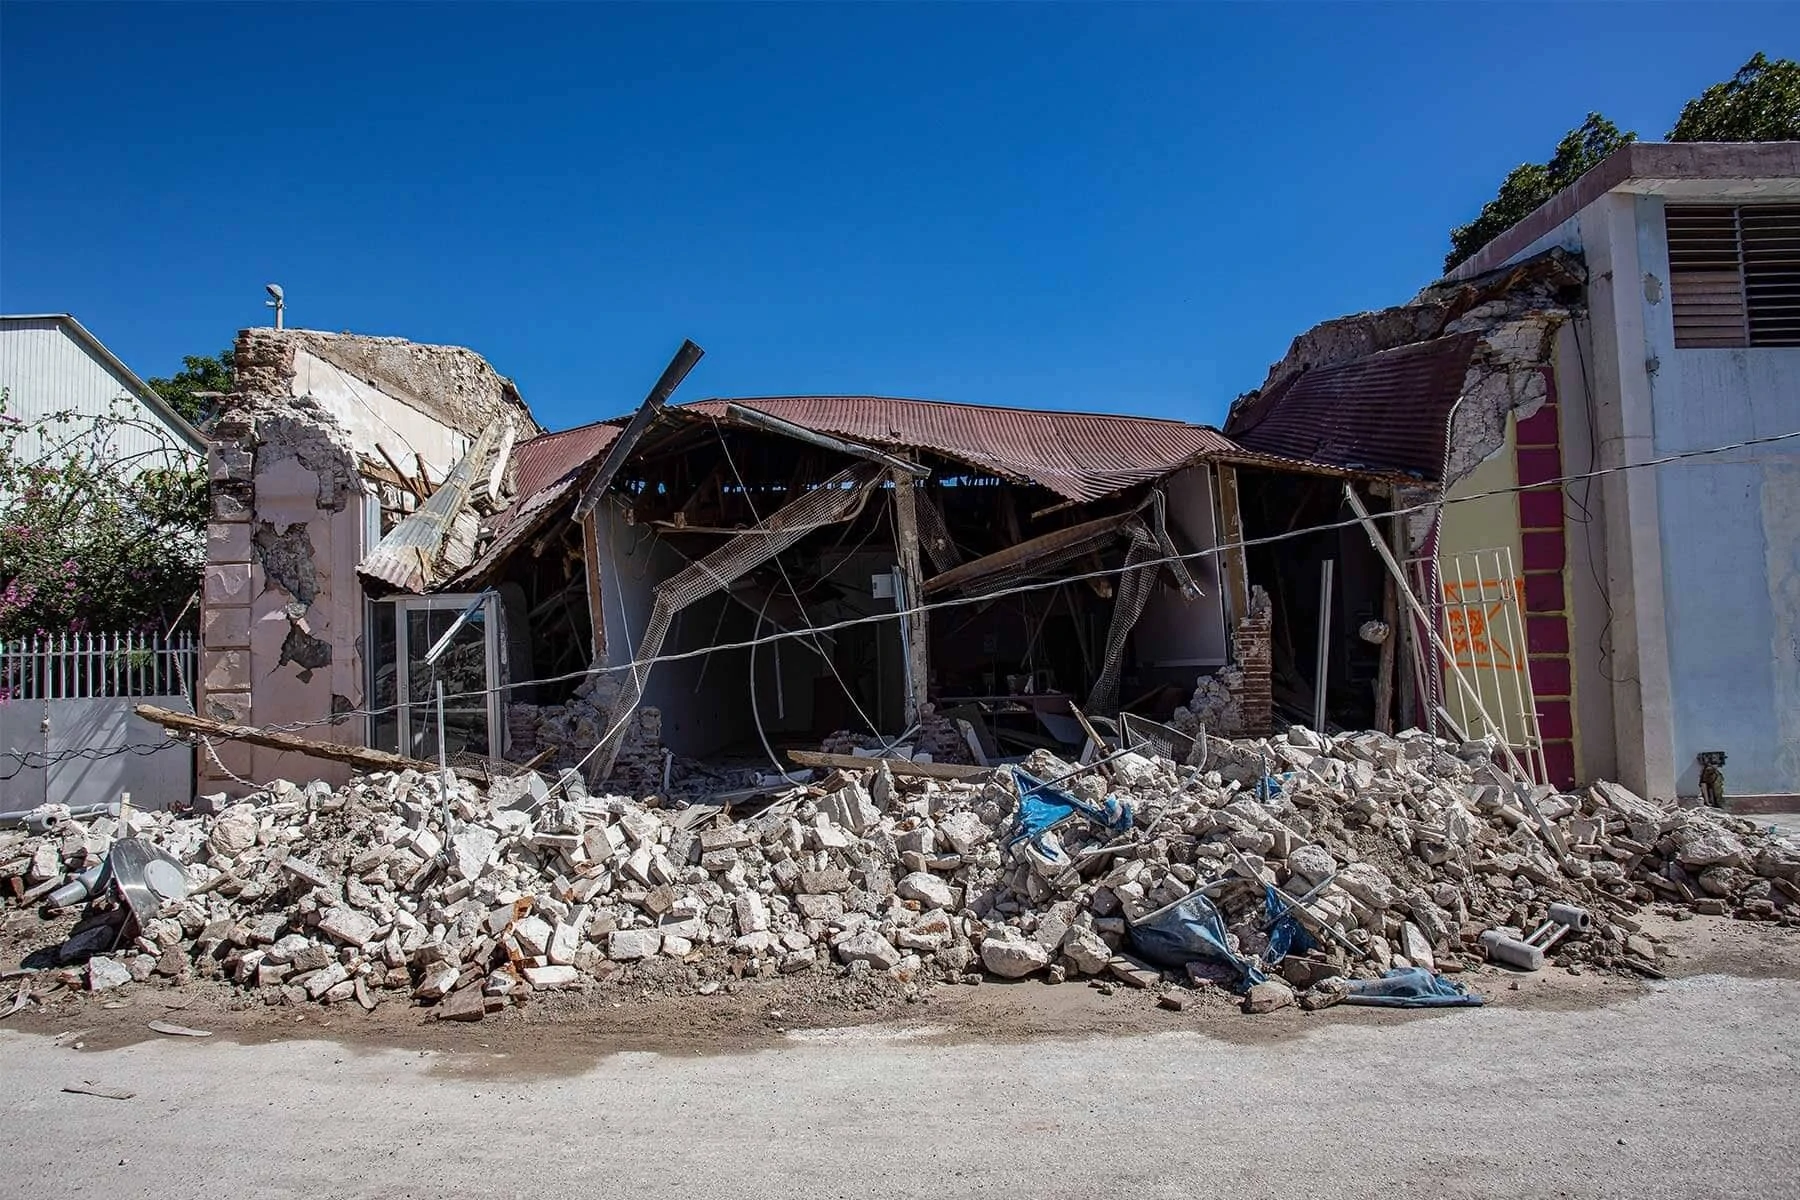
(1734, 275)
(1771, 239)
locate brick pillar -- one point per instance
(223, 691)
(1543, 544)
(1253, 649)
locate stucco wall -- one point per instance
(1176, 637)
(1731, 555)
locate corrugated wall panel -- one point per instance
(46, 372)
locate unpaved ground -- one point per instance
(565, 1032)
(1568, 1087)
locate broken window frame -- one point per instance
(493, 640)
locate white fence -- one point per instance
(67, 732)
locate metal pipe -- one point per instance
(1323, 659)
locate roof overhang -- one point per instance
(1684, 170)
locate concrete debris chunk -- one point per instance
(928, 889)
(348, 926)
(470, 850)
(1012, 954)
(104, 974)
(870, 947)
(628, 945)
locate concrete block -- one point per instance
(228, 542)
(224, 670)
(533, 936)
(565, 941)
(225, 627)
(551, 977)
(226, 583)
(752, 913)
(625, 945)
(348, 926)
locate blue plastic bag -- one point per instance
(1286, 934)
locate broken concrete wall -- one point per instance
(283, 609)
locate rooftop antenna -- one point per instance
(277, 301)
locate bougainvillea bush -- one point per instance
(91, 538)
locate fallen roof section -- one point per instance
(420, 550)
(1384, 412)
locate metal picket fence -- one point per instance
(71, 666)
(67, 731)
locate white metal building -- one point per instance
(51, 365)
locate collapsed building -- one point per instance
(719, 581)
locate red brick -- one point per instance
(1547, 634)
(1543, 591)
(1550, 677)
(1540, 429)
(1542, 509)
(1555, 721)
(1544, 551)
(1538, 465)
(1560, 758)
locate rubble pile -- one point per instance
(1391, 851)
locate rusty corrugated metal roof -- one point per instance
(543, 460)
(1386, 412)
(1079, 456)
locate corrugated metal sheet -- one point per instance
(50, 364)
(422, 547)
(542, 461)
(1385, 412)
(1079, 456)
(512, 527)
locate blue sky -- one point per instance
(1112, 207)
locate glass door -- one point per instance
(404, 672)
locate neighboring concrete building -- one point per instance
(51, 365)
(1650, 310)
(1690, 341)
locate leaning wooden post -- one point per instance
(912, 595)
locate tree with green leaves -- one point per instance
(90, 540)
(199, 373)
(1761, 103)
(1530, 184)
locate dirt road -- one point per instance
(1685, 1088)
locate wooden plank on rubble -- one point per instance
(356, 756)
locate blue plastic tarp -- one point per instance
(1410, 987)
(1191, 930)
(1042, 807)
(1286, 935)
